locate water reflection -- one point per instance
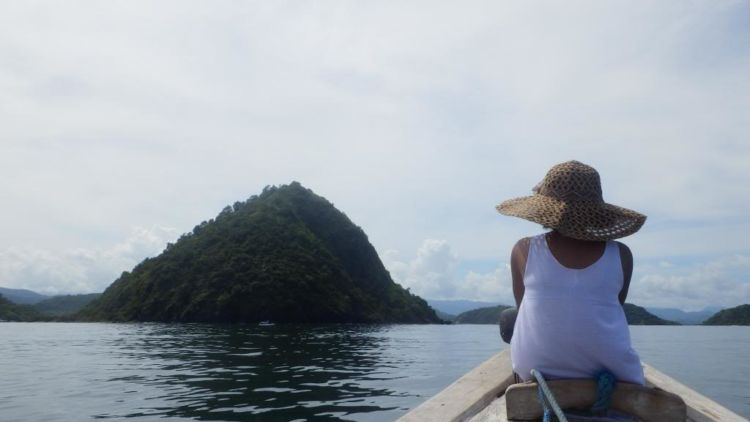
(284, 372)
(144, 372)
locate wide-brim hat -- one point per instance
(569, 200)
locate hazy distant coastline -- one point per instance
(26, 305)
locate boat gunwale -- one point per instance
(476, 390)
(468, 395)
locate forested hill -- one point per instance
(22, 296)
(10, 311)
(64, 305)
(635, 315)
(286, 255)
(487, 315)
(739, 315)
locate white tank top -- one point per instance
(570, 323)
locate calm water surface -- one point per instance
(73, 372)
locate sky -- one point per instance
(123, 124)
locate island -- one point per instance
(285, 255)
(739, 315)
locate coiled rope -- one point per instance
(605, 386)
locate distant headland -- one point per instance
(739, 315)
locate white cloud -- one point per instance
(432, 274)
(79, 270)
(495, 286)
(722, 281)
(161, 113)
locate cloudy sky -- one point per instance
(125, 123)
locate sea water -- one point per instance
(74, 372)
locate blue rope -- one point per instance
(545, 405)
(549, 404)
(605, 386)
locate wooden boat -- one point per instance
(482, 395)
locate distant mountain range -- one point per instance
(24, 305)
(445, 317)
(683, 317)
(635, 315)
(11, 311)
(14, 309)
(455, 307)
(451, 310)
(65, 304)
(22, 296)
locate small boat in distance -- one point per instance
(266, 324)
(480, 396)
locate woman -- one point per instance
(570, 283)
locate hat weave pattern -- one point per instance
(569, 200)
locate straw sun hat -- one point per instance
(569, 200)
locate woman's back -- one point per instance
(570, 322)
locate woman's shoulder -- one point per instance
(626, 259)
(522, 246)
(625, 251)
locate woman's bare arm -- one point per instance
(626, 259)
(517, 268)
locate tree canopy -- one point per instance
(739, 315)
(10, 311)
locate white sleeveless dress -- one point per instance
(570, 323)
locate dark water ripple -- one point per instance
(279, 373)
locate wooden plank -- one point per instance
(494, 412)
(646, 403)
(699, 407)
(468, 395)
